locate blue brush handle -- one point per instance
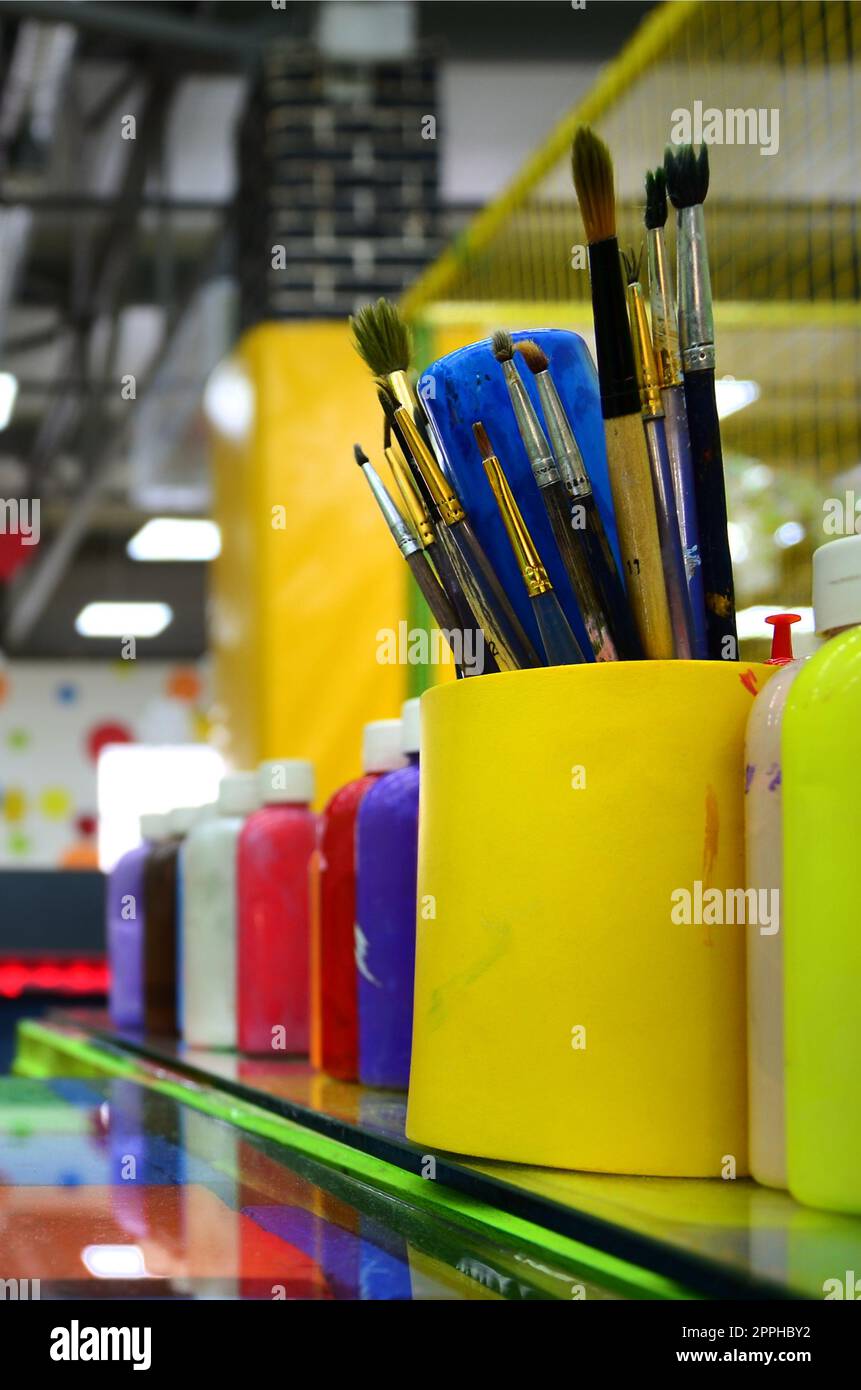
(560, 644)
(704, 428)
(682, 470)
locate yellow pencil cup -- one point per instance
(570, 1009)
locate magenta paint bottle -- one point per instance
(386, 868)
(125, 927)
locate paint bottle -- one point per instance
(124, 900)
(274, 854)
(334, 1001)
(182, 822)
(210, 915)
(763, 824)
(822, 833)
(386, 870)
(159, 934)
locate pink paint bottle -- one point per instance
(274, 853)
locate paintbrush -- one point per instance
(488, 600)
(556, 501)
(665, 337)
(382, 339)
(439, 549)
(560, 645)
(659, 460)
(687, 176)
(413, 552)
(582, 517)
(627, 456)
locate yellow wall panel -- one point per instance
(308, 574)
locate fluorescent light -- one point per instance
(175, 538)
(8, 397)
(789, 534)
(732, 395)
(123, 619)
(750, 622)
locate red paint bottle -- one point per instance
(334, 1006)
(273, 857)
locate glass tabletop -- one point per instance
(110, 1189)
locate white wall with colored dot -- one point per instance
(55, 718)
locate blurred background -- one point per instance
(193, 198)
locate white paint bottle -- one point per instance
(210, 910)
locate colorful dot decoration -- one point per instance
(55, 803)
(184, 684)
(18, 740)
(14, 805)
(86, 825)
(18, 843)
(67, 694)
(4, 687)
(101, 735)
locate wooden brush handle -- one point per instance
(634, 503)
(707, 457)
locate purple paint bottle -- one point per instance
(386, 865)
(125, 927)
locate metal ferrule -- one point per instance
(542, 462)
(525, 551)
(416, 509)
(665, 332)
(572, 469)
(441, 489)
(403, 536)
(399, 385)
(696, 319)
(645, 365)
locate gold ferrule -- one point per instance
(441, 489)
(399, 385)
(525, 550)
(645, 365)
(665, 333)
(412, 499)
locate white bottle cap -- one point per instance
(410, 726)
(238, 794)
(181, 819)
(837, 584)
(381, 746)
(286, 779)
(154, 827)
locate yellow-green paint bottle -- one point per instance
(821, 756)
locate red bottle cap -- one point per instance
(781, 638)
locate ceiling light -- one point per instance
(123, 619)
(732, 395)
(8, 397)
(175, 538)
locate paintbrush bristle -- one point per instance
(503, 347)
(592, 168)
(632, 261)
(482, 440)
(687, 175)
(534, 356)
(382, 338)
(387, 401)
(359, 455)
(656, 198)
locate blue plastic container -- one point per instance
(469, 385)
